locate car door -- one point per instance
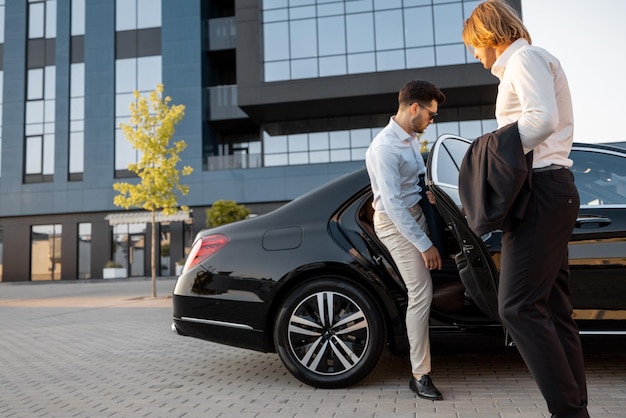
(474, 262)
(597, 250)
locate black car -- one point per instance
(312, 282)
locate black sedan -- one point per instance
(312, 282)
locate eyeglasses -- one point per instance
(432, 114)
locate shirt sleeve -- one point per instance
(385, 164)
(533, 81)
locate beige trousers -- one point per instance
(418, 282)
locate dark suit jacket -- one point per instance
(495, 181)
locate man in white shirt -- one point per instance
(533, 295)
(394, 164)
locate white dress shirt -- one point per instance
(534, 91)
(394, 163)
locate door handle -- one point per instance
(592, 221)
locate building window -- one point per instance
(142, 74)
(77, 122)
(129, 247)
(39, 164)
(78, 17)
(84, 251)
(1, 107)
(76, 156)
(188, 237)
(305, 40)
(137, 14)
(1, 81)
(45, 252)
(40, 92)
(137, 66)
(1, 252)
(165, 245)
(294, 148)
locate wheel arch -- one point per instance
(387, 305)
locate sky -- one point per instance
(588, 38)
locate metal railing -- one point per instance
(232, 162)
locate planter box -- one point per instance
(113, 273)
(179, 269)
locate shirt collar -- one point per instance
(400, 132)
(500, 64)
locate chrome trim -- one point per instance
(602, 332)
(218, 323)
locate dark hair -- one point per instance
(420, 91)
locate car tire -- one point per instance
(329, 352)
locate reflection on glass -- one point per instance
(78, 17)
(330, 66)
(148, 14)
(418, 29)
(34, 89)
(148, 73)
(36, 26)
(125, 75)
(332, 36)
(420, 57)
(363, 32)
(450, 54)
(297, 158)
(45, 252)
(125, 15)
(306, 68)
(77, 80)
(48, 154)
(303, 39)
(276, 41)
(389, 34)
(360, 32)
(34, 151)
(361, 63)
(77, 152)
(349, 145)
(390, 60)
(51, 19)
(84, 250)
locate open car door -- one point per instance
(476, 267)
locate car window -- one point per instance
(600, 177)
(451, 153)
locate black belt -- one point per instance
(549, 167)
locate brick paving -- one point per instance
(105, 350)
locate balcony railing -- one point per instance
(232, 162)
(222, 103)
(222, 33)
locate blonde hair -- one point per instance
(493, 23)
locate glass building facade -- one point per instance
(281, 97)
(313, 38)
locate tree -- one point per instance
(150, 132)
(224, 212)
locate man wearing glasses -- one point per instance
(394, 165)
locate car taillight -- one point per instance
(204, 248)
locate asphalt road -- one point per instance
(105, 349)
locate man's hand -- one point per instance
(432, 259)
(431, 197)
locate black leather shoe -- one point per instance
(425, 388)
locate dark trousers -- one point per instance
(533, 297)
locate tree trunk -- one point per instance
(153, 248)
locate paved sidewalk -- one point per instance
(105, 349)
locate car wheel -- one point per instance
(329, 333)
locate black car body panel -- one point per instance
(258, 291)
